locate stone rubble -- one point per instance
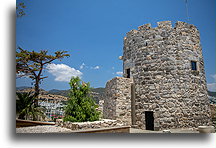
(105, 123)
(42, 129)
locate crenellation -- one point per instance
(144, 27)
(163, 28)
(164, 24)
(180, 24)
(132, 32)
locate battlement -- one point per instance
(163, 25)
(145, 27)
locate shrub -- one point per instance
(80, 107)
(25, 108)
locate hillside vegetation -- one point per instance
(97, 93)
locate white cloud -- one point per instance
(119, 73)
(63, 72)
(96, 67)
(214, 77)
(82, 65)
(212, 86)
(21, 74)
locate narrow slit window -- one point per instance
(128, 73)
(146, 44)
(193, 65)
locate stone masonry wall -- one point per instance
(213, 114)
(100, 108)
(105, 123)
(117, 101)
(160, 62)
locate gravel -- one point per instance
(56, 129)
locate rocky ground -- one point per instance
(134, 130)
(56, 129)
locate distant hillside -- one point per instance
(59, 92)
(99, 90)
(25, 88)
(22, 87)
(213, 94)
(97, 93)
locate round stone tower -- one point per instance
(167, 68)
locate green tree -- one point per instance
(80, 107)
(32, 63)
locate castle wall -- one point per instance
(160, 64)
(213, 114)
(117, 101)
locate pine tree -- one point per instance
(80, 107)
(32, 64)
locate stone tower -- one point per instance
(166, 70)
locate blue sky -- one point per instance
(92, 32)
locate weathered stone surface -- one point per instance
(163, 56)
(117, 100)
(159, 60)
(87, 125)
(213, 114)
(213, 110)
(100, 108)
